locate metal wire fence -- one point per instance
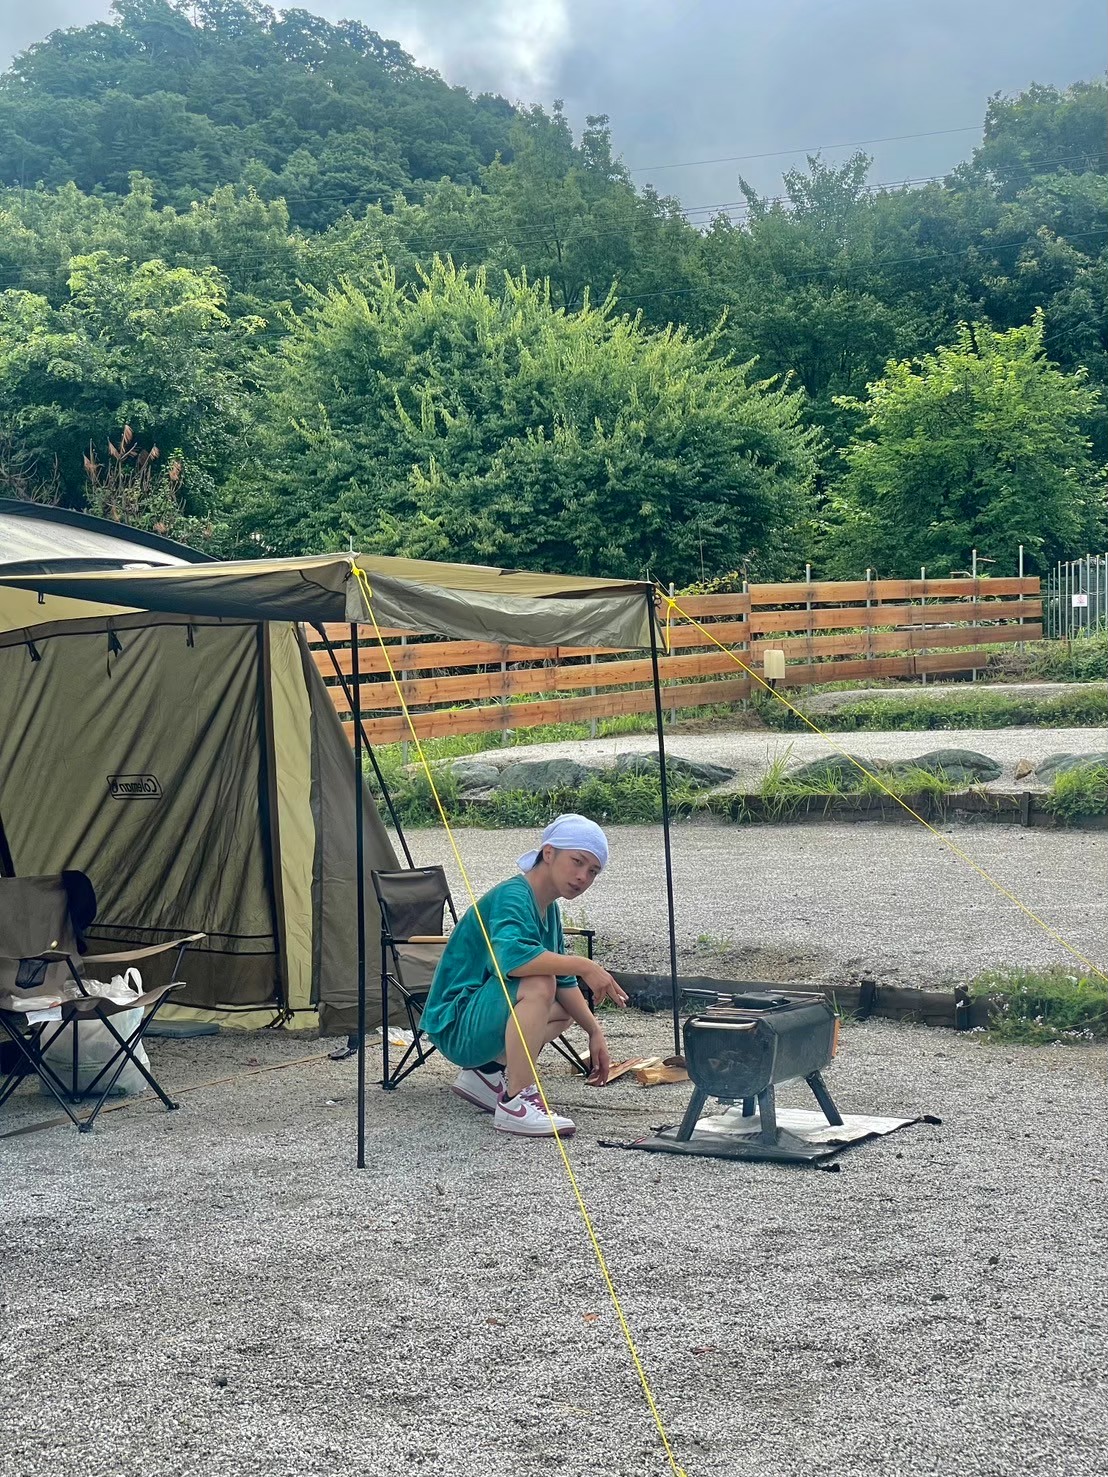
(1076, 598)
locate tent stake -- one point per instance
(359, 846)
(397, 827)
(660, 725)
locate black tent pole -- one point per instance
(675, 992)
(397, 827)
(359, 848)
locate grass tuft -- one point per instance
(1044, 1005)
(979, 708)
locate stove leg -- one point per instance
(824, 1098)
(767, 1110)
(748, 1107)
(692, 1114)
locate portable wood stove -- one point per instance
(739, 1050)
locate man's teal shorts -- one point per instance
(477, 1035)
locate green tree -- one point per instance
(139, 345)
(447, 421)
(1041, 131)
(978, 445)
(202, 93)
(801, 296)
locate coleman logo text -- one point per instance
(134, 787)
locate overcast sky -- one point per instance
(705, 80)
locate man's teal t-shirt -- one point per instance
(518, 932)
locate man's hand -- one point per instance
(600, 1063)
(601, 984)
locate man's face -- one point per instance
(572, 871)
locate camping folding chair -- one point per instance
(413, 906)
(45, 990)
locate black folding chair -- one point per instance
(413, 906)
(42, 926)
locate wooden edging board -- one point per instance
(1007, 808)
(953, 1009)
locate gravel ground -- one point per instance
(218, 1291)
(826, 901)
(750, 752)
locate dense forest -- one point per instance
(269, 285)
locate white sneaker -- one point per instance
(482, 1089)
(525, 1114)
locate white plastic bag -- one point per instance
(96, 1045)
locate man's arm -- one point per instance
(576, 1007)
(599, 981)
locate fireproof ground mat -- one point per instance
(804, 1136)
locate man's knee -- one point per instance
(538, 987)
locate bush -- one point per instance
(616, 799)
(1041, 1006)
(1083, 659)
(786, 795)
(1079, 793)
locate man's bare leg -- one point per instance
(540, 1020)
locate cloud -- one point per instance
(486, 45)
(686, 80)
(22, 25)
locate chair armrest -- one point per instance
(588, 934)
(127, 955)
(48, 956)
(423, 938)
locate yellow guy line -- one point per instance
(586, 1218)
(672, 605)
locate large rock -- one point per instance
(474, 774)
(540, 776)
(1056, 764)
(960, 766)
(836, 771)
(689, 770)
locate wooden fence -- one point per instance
(851, 630)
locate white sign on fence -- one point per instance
(1080, 600)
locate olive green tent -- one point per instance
(167, 733)
(193, 766)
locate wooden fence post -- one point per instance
(504, 698)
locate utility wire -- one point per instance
(316, 241)
(891, 138)
(378, 197)
(873, 268)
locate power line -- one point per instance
(891, 138)
(534, 241)
(841, 271)
(881, 265)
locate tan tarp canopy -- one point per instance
(166, 731)
(467, 601)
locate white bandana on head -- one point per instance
(569, 833)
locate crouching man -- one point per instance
(467, 1014)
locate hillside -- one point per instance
(238, 234)
(328, 117)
